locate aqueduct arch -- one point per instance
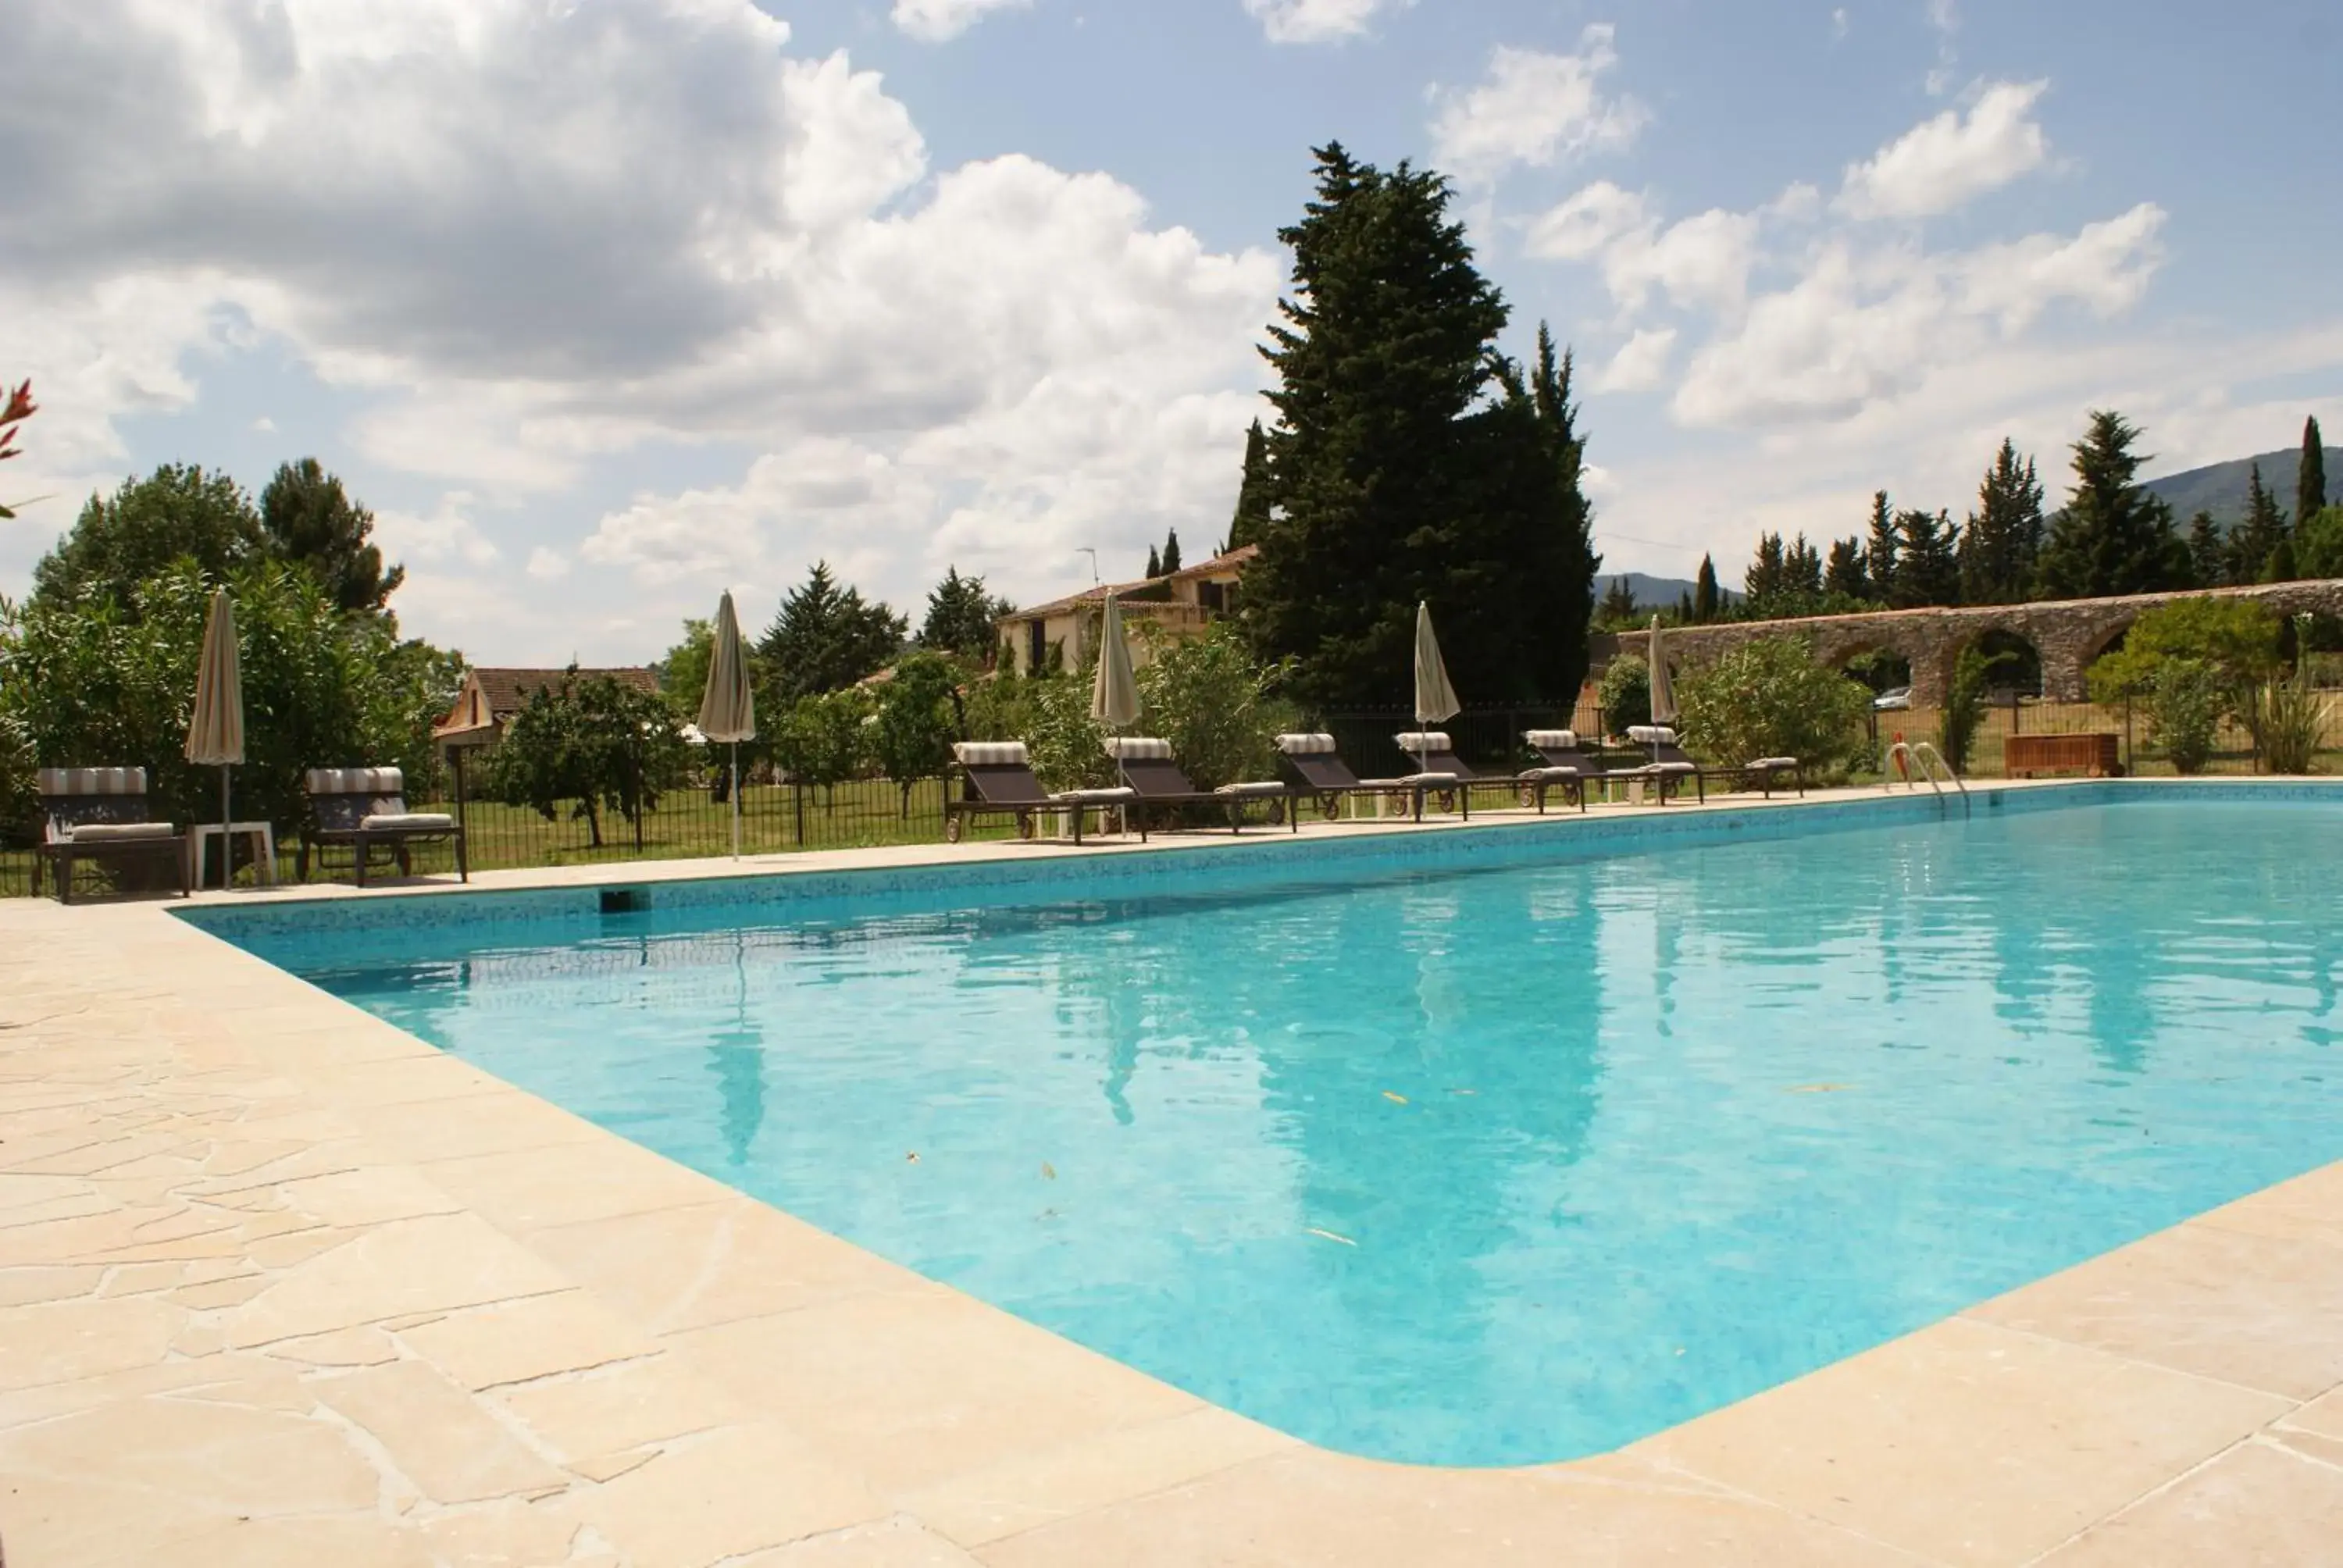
(2067, 633)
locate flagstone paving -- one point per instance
(280, 1284)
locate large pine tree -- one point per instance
(1927, 568)
(1843, 576)
(2208, 552)
(1394, 475)
(2111, 537)
(2258, 535)
(305, 515)
(2003, 537)
(827, 638)
(1252, 492)
(2310, 477)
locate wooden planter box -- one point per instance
(2024, 755)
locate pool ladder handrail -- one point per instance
(1923, 755)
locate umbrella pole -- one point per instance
(735, 793)
(227, 839)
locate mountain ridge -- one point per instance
(2220, 487)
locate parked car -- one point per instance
(1895, 696)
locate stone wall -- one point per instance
(2067, 633)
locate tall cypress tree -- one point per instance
(2004, 537)
(1768, 577)
(1706, 600)
(1171, 562)
(1252, 491)
(1879, 553)
(1155, 564)
(2310, 477)
(2111, 537)
(1392, 479)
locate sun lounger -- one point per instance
(1437, 755)
(100, 814)
(1561, 762)
(1148, 766)
(1671, 763)
(1314, 769)
(996, 779)
(365, 809)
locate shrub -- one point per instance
(2186, 700)
(1965, 703)
(1626, 694)
(1216, 704)
(1770, 698)
(2238, 639)
(2288, 718)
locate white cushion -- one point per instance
(1139, 746)
(1254, 787)
(406, 821)
(1121, 792)
(1552, 740)
(1306, 745)
(1420, 740)
(357, 781)
(1771, 762)
(1431, 780)
(1651, 735)
(1533, 775)
(992, 753)
(106, 832)
(93, 781)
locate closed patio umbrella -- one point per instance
(216, 729)
(1663, 691)
(728, 709)
(1435, 699)
(1114, 690)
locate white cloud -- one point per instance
(1864, 326)
(264, 425)
(535, 240)
(548, 565)
(939, 20)
(1838, 23)
(1641, 365)
(1534, 108)
(1317, 21)
(1702, 261)
(445, 536)
(1946, 161)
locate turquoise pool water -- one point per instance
(1482, 1167)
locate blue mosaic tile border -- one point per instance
(1259, 857)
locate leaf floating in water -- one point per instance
(1820, 1088)
(1395, 1098)
(1049, 1172)
(1331, 1237)
(913, 1157)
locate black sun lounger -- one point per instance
(996, 779)
(1149, 768)
(100, 814)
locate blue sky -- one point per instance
(606, 309)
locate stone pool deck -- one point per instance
(280, 1284)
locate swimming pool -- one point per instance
(1478, 1148)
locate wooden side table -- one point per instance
(264, 849)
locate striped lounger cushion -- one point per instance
(1552, 740)
(93, 781)
(993, 754)
(357, 781)
(1306, 745)
(1137, 748)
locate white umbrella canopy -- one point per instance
(216, 728)
(727, 708)
(1435, 699)
(1663, 691)
(1114, 690)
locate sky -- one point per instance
(605, 306)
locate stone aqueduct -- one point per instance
(2067, 633)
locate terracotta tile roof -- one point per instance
(1228, 561)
